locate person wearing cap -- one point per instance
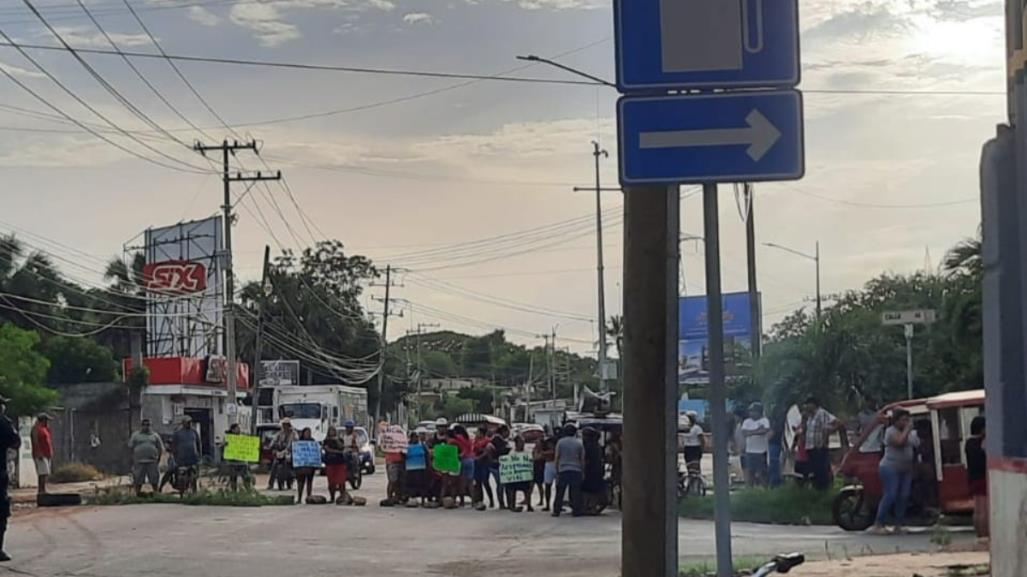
(439, 438)
(570, 467)
(147, 449)
(42, 449)
(281, 448)
(9, 439)
(755, 429)
(187, 446)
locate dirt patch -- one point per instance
(948, 564)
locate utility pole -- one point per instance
(384, 344)
(230, 148)
(259, 341)
(420, 371)
(598, 153)
(552, 344)
(755, 317)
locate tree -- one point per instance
(33, 276)
(78, 360)
(615, 331)
(482, 399)
(22, 371)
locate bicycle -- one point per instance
(780, 564)
(691, 481)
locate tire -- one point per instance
(851, 511)
(369, 468)
(356, 479)
(696, 486)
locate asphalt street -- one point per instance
(174, 541)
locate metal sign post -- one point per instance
(908, 319)
(666, 140)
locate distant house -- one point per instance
(452, 385)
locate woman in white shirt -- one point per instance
(693, 442)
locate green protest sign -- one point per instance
(516, 468)
(245, 448)
(446, 458)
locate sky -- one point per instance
(405, 169)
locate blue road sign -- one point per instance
(725, 137)
(706, 44)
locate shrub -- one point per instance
(75, 473)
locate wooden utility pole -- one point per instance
(259, 338)
(229, 148)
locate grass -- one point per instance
(708, 567)
(118, 496)
(968, 570)
(75, 473)
(788, 505)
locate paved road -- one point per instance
(173, 540)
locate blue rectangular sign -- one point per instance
(693, 338)
(706, 44)
(725, 137)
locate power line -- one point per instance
(941, 204)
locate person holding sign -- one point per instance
(303, 468)
(235, 466)
(446, 462)
(517, 474)
(417, 469)
(335, 464)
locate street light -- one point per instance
(815, 257)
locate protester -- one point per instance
(394, 469)
(977, 475)
(549, 471)
(799, 452)
(693, 442)
(466, 479)
(519, 487)
(896, 471)
(776, 443)
(351, 447)
(236, 469)
(304, 475)
(335, 464)
(500, 447)
(614, 449)
(449, 483)
(820, 425)
(281, 448)
(593, 473)
(538, 467)
(42, 449)
(737, 441)
(439, 438)
(416, 476)
(570, 465)
(482, 469)
(169, 466)
(9, 440)
(754, 430)
(147, 448)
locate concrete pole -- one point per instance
(755, 320)
(230, 364)
(718, 393)
(649, 538)
(601, 300)
(909, 359)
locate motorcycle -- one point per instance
(186, 479)
(780, 564)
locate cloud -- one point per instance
(203, 16)
(265, 21)
(19, 71)
(963, 10)
(82, 37)
(863, 21)
(561, 4)
(418, 19)
(386, 5)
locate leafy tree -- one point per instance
(482, 399)
(78, 360)
(23, 371)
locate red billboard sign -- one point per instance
(175, 276)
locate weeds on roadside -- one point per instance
(940, 536)
(787, 505)
(707, 568)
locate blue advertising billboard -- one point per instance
(693, 344)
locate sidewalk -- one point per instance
(28, 494)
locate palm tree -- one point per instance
(32, 276)
(964, 258)
(615, 331)
(124, 294)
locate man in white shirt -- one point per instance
(755, 430)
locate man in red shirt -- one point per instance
(42, 449)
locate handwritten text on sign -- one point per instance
(394, 439)
(245, 448)
(306, 454)
(516, 468)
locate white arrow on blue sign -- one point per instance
(723, 137)
(706, 44)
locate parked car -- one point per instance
(943, 424)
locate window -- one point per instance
(950, 436)
(300, 411)
(874, 442)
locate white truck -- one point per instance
(321, 406)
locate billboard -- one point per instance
(184, 282)
(693, 353)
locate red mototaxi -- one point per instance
(943, 423)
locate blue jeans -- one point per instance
(775, 464)
(897, 486)
(568, 480)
